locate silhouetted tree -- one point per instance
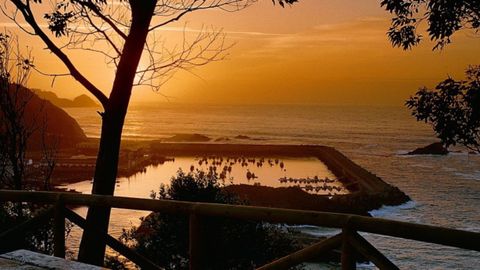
(19, 121)
(228, 243)
(443, 19)
(452, 109)
(14, 131)
(127, 30)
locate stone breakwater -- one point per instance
(366, 190)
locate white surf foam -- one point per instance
(388, 211)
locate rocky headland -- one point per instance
(49, 124)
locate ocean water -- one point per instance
(445, 189)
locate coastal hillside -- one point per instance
(80, 101)
(44, 118)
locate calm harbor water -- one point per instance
(141, 185)
(445, 189)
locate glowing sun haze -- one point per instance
(315, 52)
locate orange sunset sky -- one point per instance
(315, 52)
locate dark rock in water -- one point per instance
(188, 138)
(222, 139)
(432, 149)
(242, 137)
(54, 123)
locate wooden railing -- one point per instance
(349, 240)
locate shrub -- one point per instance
(39, 239)
(228, 244)
(453, 110)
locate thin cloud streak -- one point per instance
(369, 30)
(167, 28)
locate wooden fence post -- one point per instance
(348, 253)
(195, 242)
(59, 229)
(363, 247)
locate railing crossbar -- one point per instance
(306, 254)
(114, 243)
(362, 246)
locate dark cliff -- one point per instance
(48, 121)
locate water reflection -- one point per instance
(275, 172)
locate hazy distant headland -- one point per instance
(79, 101)
(196, 137)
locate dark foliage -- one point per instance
(116, 262)
(283, 2)
(39, 240)
(59, 19)
(20, 122)
(229, 244)
(453, 109)
(443, 17)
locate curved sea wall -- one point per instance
(367, 191)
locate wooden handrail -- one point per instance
(418, 232)
(413, 231)
(351, 242)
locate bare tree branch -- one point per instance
(94, 8)
(53, 75)
(103, 33)
(178, 9)
(208, 45)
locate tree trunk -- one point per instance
(92, 246)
